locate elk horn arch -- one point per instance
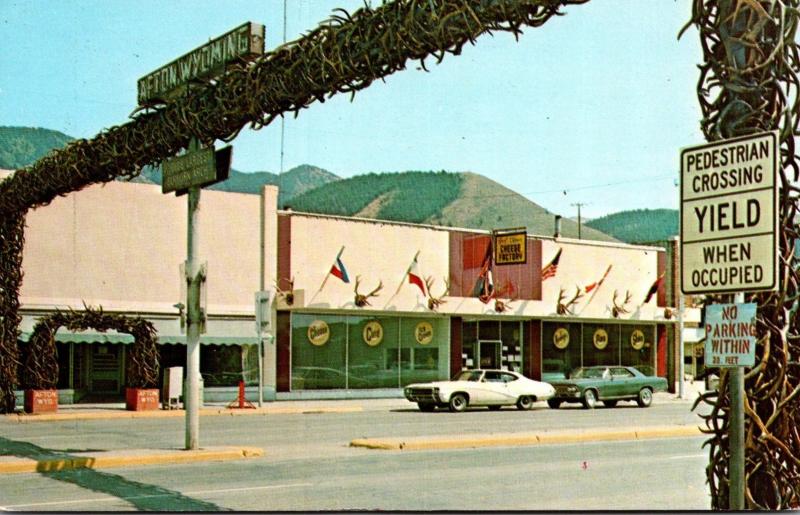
(39, 356)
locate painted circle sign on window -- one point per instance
(423, 333)
(637, 339)
(561, 338)
(373, 333)
(600, 339)
(318, 333)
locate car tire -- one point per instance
(554, 403)
(645, 397)
(589, 399)
(424, 406)
(494, 407)
(610, 404)
(458, 402)
(525, 402)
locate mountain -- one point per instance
(21, 146)
(639, 225)
(299, 179)
(465, 200)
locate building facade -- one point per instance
(119, 246)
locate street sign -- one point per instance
(201, 167)
(243, 42)
(729, 218)
(263, 310)
(510, 246)
(730, 335)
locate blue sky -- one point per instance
(591, 108)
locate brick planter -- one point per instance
(141, 399)
(41, 401)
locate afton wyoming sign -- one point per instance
(730, 335)
(729, 221)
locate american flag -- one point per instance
(552, 267)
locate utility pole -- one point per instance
(579, 205)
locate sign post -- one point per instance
(729, 244)
(190, 172)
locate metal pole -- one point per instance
(193, 319)
(682, 350)
(736, 433)
(262, 265)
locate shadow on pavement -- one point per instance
(141, 496)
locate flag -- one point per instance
(653, 289)
(597, 284)
(414, 277)
(484, 286)
(338, 269)
(552, 267)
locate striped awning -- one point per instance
(123, 338)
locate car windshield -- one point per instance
(587, 373)
(469, 375)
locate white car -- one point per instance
(491, 388)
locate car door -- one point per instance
(623, 383)
(492, 389)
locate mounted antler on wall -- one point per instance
(286, 295)
(620, 309)
(435, 302)
(566, 308)
(361, 300)
(500, 305)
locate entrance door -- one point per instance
(104, 369)
(489, 352)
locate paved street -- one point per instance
(309, 465)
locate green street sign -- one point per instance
(198, 168)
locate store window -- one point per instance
(601, 344)
(221, 365)
(424, 346)
(356, 352)
(492, 344)
(561, 350)
(637, 347)
(319, 352)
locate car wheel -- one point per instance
(494, 407)
(645, 397)
(554, 403)
(458, 402)
(589, 399)
(525, 402)
(424, 406)
(610, 404)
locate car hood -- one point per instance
(567, 382)
(433, 384)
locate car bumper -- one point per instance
(423, 395)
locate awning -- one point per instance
(114, 337)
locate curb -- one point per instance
(518, 439)
(52, 417)
(136, 457)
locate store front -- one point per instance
(492, 344)
(365, 352)
(567, 346)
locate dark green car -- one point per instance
(608, 384)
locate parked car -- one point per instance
(491, 388)
(608, 384)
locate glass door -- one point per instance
(489, 352)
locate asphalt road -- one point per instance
(309, 466)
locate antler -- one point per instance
(619, 309)
(435, 302)
(566, 308)
(500, 305)
(288, 295)
(361, 300)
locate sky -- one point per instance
(592, 108)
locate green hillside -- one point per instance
(21, 146)
(463, 200)
(408, 196)
(640, 225)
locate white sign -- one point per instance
(730, 335)
(729, 222)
